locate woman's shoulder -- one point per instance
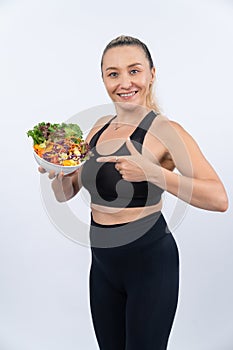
(175, 137)
(163, 120)
(171, 133)
(163, 124)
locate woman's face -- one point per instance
(127, 75)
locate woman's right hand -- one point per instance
(62, 185)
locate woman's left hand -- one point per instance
(134, 167)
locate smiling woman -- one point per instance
(134, 275)
(128, 67)
(127, 82)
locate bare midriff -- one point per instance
(110, 216)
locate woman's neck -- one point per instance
(129, 113)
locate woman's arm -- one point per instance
(203, 193)
(64, 186)
(197, 183)
(67, 186)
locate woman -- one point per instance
(134, 283)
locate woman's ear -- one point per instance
(153, 71)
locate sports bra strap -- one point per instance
(95, 138)
(139, 133)
(147, 121)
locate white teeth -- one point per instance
(129, 94)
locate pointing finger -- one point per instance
(110, 159)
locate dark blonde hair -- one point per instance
(124, 40)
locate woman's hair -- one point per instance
(124, 40)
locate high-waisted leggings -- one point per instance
(134, 286)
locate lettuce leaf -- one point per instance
(47, 131)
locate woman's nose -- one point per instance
(125, 81)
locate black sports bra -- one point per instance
(105, 183)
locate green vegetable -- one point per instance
(71, 130)
(47, 131)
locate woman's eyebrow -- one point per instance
(131, 65)
(134, 64)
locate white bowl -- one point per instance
(57, 168)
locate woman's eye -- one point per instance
(133, 71)
(113, 74)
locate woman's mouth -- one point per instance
(128, 95)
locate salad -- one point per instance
(60, 144)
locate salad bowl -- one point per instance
(59, 147)
(48, 166)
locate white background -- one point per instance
(50, 70)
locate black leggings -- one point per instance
(134, 288)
